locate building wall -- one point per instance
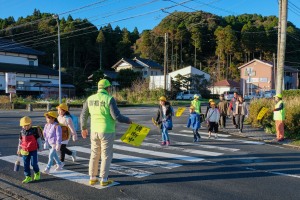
(26, 82)
(261, 77)
(20, 59)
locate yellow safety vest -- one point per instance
(197, 105)
(101, 119)
(279, 115)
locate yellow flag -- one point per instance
(135, 134)
(180, 111)
(261, 113)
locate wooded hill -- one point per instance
(200, 39)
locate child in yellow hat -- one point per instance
(53, 136)
(29, 143)
(65, 119)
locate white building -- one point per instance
(31, 78)
(158, 81)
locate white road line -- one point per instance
(144, 161)
(205, 133)
(64, 174)
(114, 167)
(194, 151)
(159, 154)
(207, 146)
(221, 139)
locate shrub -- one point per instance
(291, 123)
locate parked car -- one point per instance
(269, 93)
(228, 95)
(187, 95)
(252, 95)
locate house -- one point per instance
(158, 81)
(145, 66)
(30, 77)
(224, 85)
(260, 76)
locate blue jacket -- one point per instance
(194, 121)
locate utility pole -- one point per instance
(59, 58)
(282, 45)
(165, 63)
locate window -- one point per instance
(31, 62)
(145, 73)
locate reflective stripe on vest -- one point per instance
(279, 115)
(101, 120)
(197, 105)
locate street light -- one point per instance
(59, 57)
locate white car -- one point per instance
(187, 95)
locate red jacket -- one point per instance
(28, 139)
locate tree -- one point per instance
(100, 40)
(126, 77)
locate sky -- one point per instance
(143, 14)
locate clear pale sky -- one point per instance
(143, 14)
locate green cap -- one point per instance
(104, 83)
(278, 95)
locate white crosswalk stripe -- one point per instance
(64, 174)
(206, 146)
(205, 133)
(144, 161)
(113, 167)
(193, 151)
(221, 139)
(159, 154)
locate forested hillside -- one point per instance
(204, 40)
(218, 44)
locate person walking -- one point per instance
(240, 112)
(213, 117)
(223, 107)
(232, 107)
(29, 143)
(279, 116)
(103, 111)
(208, 106)
(64, 118)
(164, 119)
(53, 137)
(194, 123)
(196, 103)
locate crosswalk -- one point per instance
(146, 158)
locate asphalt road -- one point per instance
(225, 168)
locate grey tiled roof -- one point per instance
(14, 47)
(43, 70)
(149, 63)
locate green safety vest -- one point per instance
(279, 115)
(197, 105)
(101, 120)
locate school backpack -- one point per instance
(75, 122)
(40, 131)
(65, 132)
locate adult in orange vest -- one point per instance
(279, 116)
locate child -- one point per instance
(53, 136)
(194, 121)
(164, 118)
(213, 117)
(65, 119)
(29, 143)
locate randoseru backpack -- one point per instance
(75, 122)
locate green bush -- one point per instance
(291, 123)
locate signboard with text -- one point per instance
(10, 82)
(135, 134)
